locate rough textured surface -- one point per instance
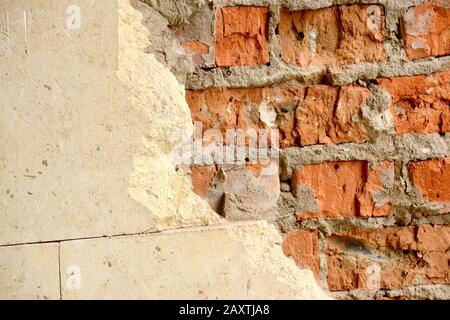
(304, 115)
(234, 262)
(331, 109)
(202, 179)
(29, 272)
(420, 104)
(432, 178)
(240, 192)
(426, 29)
(332, 36)
(327, 115)
(405, 256)
(241, 36)
(343, 189)
(303, 247)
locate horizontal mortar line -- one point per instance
(352, 222)
(312, 5)
(160, 232)
(227, 76)
(400, 290)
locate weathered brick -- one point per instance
(194, 46)
(250, 192)
(239, 192)
(326, 115)
(303, 247)
(196, 50)
(432, 178)
(202, 179)
(404, 256)
(333, 36)
(344, 189)
(420, 104)
(426, 29)
(304, 115)
(241, 36)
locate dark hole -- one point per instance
(300, 36)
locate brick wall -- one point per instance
(358, 177)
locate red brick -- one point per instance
(420, 104)
(303, 247)
(426, 30)
(197, 51)
(343, 189)
(251, 192)
(333, 36)
(406, 256)
(432, 179)
(194, 46)
(240, 192)
(305, 115)
(202, 178)
(325, 115)
(241, 36)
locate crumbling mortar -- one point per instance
(323, 263)
(281, 72)
(423, 292)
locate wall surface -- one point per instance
(358, 92)
(314, 133)
(92, 203)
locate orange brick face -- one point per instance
(241, 36)
(325, 115)
(420, 104)
(404, 256)
(426, 30)
(304, 115)
(432, 178)
(202, 178)
(343, 189)
(193, 46)
(303, 247)
(332, 36)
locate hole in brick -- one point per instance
(336, 166)
(301, 36)
(326, 79)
